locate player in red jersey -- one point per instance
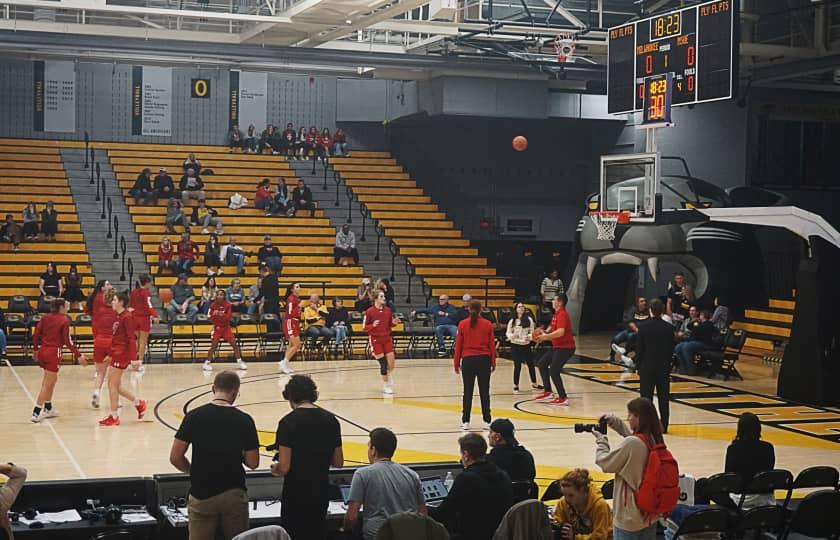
(102, 317)
(51, 334)
(562, 349)
(144, 313)
(122, 352)
(291, 326)
(220, 313)
(378, 321)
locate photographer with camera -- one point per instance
(582, 513)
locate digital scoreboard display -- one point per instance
(658, 99)
(696, 44)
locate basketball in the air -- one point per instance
(520, 143)
(165, 296)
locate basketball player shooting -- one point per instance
(378, 321)
(220, 314)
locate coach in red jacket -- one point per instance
(475, 358)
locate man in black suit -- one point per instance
(654, 350)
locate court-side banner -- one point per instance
(253, 102)
(55, 96)
(151, 101)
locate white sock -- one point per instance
(96, 392)
(136, 402)
(115, 414)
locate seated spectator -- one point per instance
(191, 163)
(235, 255)
(340, 146)
(339, 321)
(254, 304)
(266, 138)
(208, 294)
(550, 287)
(702, 337)
(142, 190)
(187, 251)
(213, 255)
(345, 245)
(250, 144)
(73, 289)
(382, 488)
(166, 257)
(384, 285)
(445, 319)
(464, 311)
(289, 141)
(325, 143)
(50, 283)
(720, 317)
(363, 296)
(234, 138)
(281, 195)
(304, 145)
(164, 187)
(315, 321)
(30, 222)
(2, 334)
(302, 197)
(15, 478)
(11, 232)
(263, 200)
(632, 319)
(192, 187)
(507, 454)
(237, 297)
(204, 216)
(49, 222)
(480, 496)
(270, 255)
(688, 324)
(174, 215)
(182, 298)
(314, 139)
(582, 513)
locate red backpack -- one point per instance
(660, 488)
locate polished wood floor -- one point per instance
(424, 412)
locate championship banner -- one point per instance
(55, 96)
(151, 101)
(233, 97)
(253, 100)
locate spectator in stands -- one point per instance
(187, 252)
(266, 138)
(680, 298)
(9, 490)
(182, 298)
(281, 194)
(325, 143)
(302, 197)
(314, 139)
(263, 200)
(688, 324)
(269, 296)
(218, 500)
(445, 319)
(520, 330)
(233, 254)
(582, 513)
(30, 222)
(50, 283)
(205, 216)
(174, 215)
(702, 337)
(237, 297)
(338, 321)
(289, 140)
(213, 255)
(720, 317)
(166, 257)
(11, 232)
(191, 163)
(3, 343)
(508, 454)
(384, 285)
(463, 312)
(164, 186)
(73, 289)
(49, 222)
(254, 297)
(315, 321)
(234, 138)
(192, 187)
(345, 245)
(270, 255)
(250, 139)
(340, 146)
(308, 443)
(550, 287)
(748, 455)
(304, 145)
(628, 461)
(480, 496)
(142, 190)
(382, 488)
(363, 296)
(208, 294)
(632, 319)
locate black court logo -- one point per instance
(200, 88)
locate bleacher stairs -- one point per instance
(768, 329)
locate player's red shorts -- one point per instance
(101, 346)
(121, 359)
(381, 346)
(222, 334)
(291, 327)
(143, 322)
(49, 358)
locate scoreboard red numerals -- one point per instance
(690, 57)
(648, 64)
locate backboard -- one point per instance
(630, 182)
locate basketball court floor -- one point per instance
(424, 412)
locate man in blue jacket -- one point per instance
(446, 321)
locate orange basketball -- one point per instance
(520, 143)
(165, 296)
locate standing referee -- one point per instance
(475, 358)
(654, 351)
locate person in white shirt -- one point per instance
(345, 245)
(519, 331)
(550, 287)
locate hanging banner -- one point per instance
(233, 101)
(151, 101)
(253, 102)
(55, 96)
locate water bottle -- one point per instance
(448, 481)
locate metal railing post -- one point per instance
(116, 234)
(410, 272)
(110, 209)
(349, 192)
(365, 214)
(122, 263)
(87, 145)
(91, 162)
(337, 181)
(130, 272)
(379, 230)
(392, 247)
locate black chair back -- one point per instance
(819, 476)
(505, 315)
(769, 518)
(818, 515)
(721, 484)
(607, 489)
(523, 490)
(552, 492)
(709, 520)
(767, 482)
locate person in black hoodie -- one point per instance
(480, 496)
(142, 189)
(164, 186)
(302, 197)
(508, 454)
(49, 221)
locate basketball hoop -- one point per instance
(606, 222)
(564, 46)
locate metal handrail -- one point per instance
(116, 234)
(349, 191)
(380, 232)
(87, 145)
(337, 180)
(410, 272)
(122, 263)
(395, 250)
(91, 169)
(363, 210)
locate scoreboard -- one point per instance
(696, 44)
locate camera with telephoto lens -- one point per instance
(600, 427)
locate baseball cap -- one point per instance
(267, 237)
(504, 427)
(163, 169)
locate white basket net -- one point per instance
(605, 225)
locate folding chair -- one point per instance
(761, 519)
(83, 334)
(552, 492)
(18, 336)
(821, 476)
(523, 490)
(271, 340)
(181, 342)
(817, 516)
(766, 482)
(247, 334)
(708, 520)
(423, 334)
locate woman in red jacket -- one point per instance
(325, 143)
(102, 318)
(475, 358)
(122, 352)
(144, 315)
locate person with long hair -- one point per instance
(73, 288)
(213, 255)
(520, 330)
(102, 318)
(49, 222)
(582, 513)
(291, 326)
(30, 222)
(51, 334)
(144, 315)
(748, 455)
(50, 283)
(559, 332)
(475, 358)
(220, 314)
(166, 256)
(122, 352)
(628, 461)
(208, 294)
(378, 321)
